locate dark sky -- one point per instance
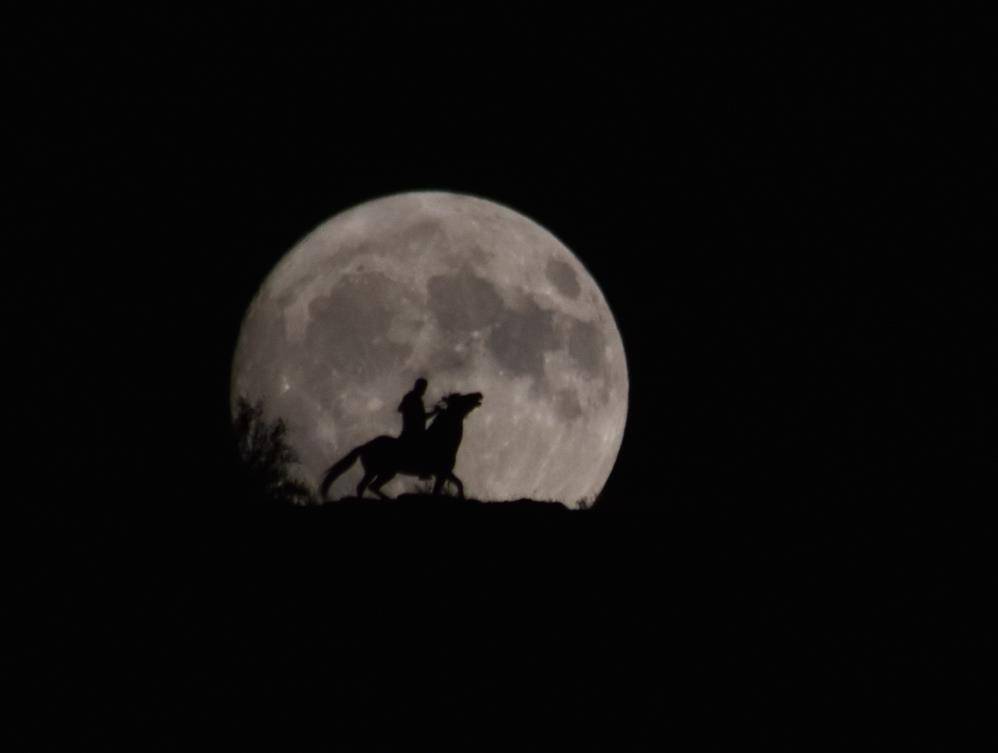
(792, 220)
(781, 212)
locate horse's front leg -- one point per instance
(457, 481)
(438, 485)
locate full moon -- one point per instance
(467, 293)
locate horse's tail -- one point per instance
(338, 468)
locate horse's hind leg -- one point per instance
(442, 479)
(368, 477)
(381, 481)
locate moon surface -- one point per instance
(467, 293)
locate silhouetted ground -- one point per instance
(379, 625)
(427, 503)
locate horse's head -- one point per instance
(462, 405)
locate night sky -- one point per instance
(789, 218)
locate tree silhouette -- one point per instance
(267, 457)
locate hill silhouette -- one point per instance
(433, 617)
(435, 504)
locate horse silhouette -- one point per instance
(385, 457)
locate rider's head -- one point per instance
(420, 386)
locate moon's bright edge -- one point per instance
(468, 293)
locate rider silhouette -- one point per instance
(414, 415)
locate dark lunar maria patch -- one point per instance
(349, 327)
(463, 302)
(585, 345)
(567, 405)
(521, 338)
(563, 277)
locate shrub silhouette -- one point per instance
(267, 457)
